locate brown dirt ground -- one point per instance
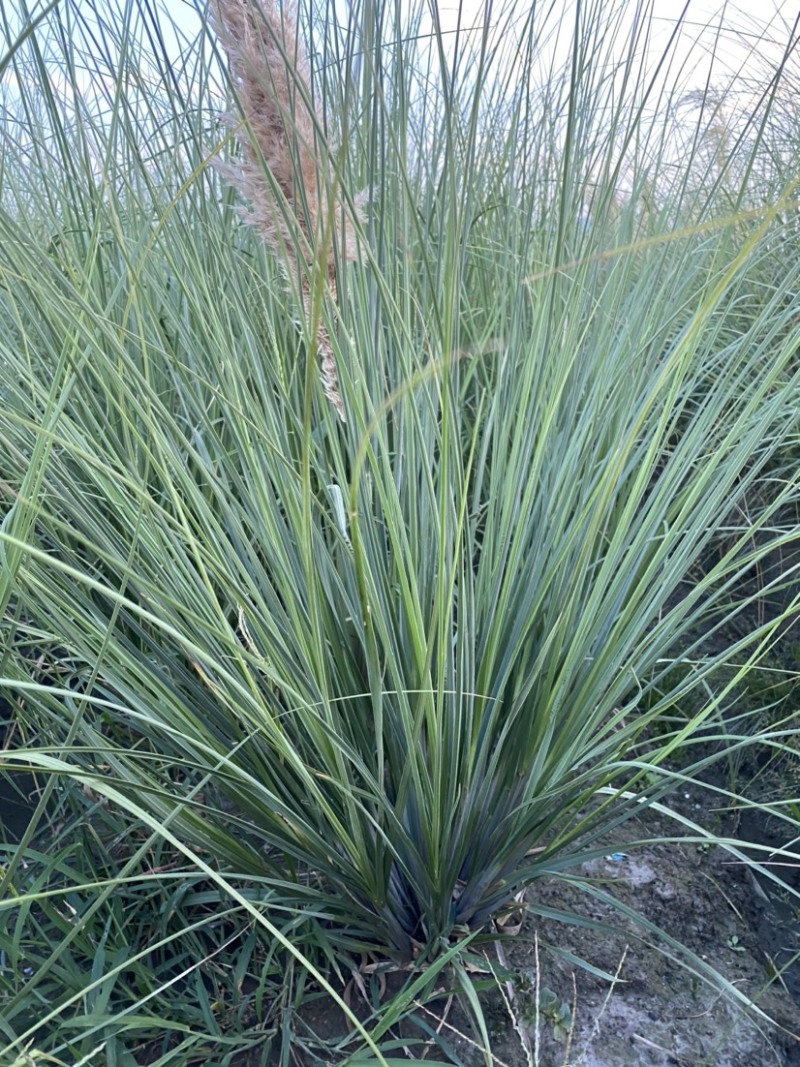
(654, 1013)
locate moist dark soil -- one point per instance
(17, 800)
(654, 1012)
(634, 1004)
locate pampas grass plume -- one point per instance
(273, 84)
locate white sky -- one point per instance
(742, 25)
(733, 29)
(746, 38)
(765, 24)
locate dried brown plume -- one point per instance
(272, 79)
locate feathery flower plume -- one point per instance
(272, 79)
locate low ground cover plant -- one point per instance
(348, 547)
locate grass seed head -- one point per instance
(285, 171)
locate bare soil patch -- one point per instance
(654, 1012)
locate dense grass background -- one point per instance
(299, 690)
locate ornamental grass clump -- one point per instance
(367, 681)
